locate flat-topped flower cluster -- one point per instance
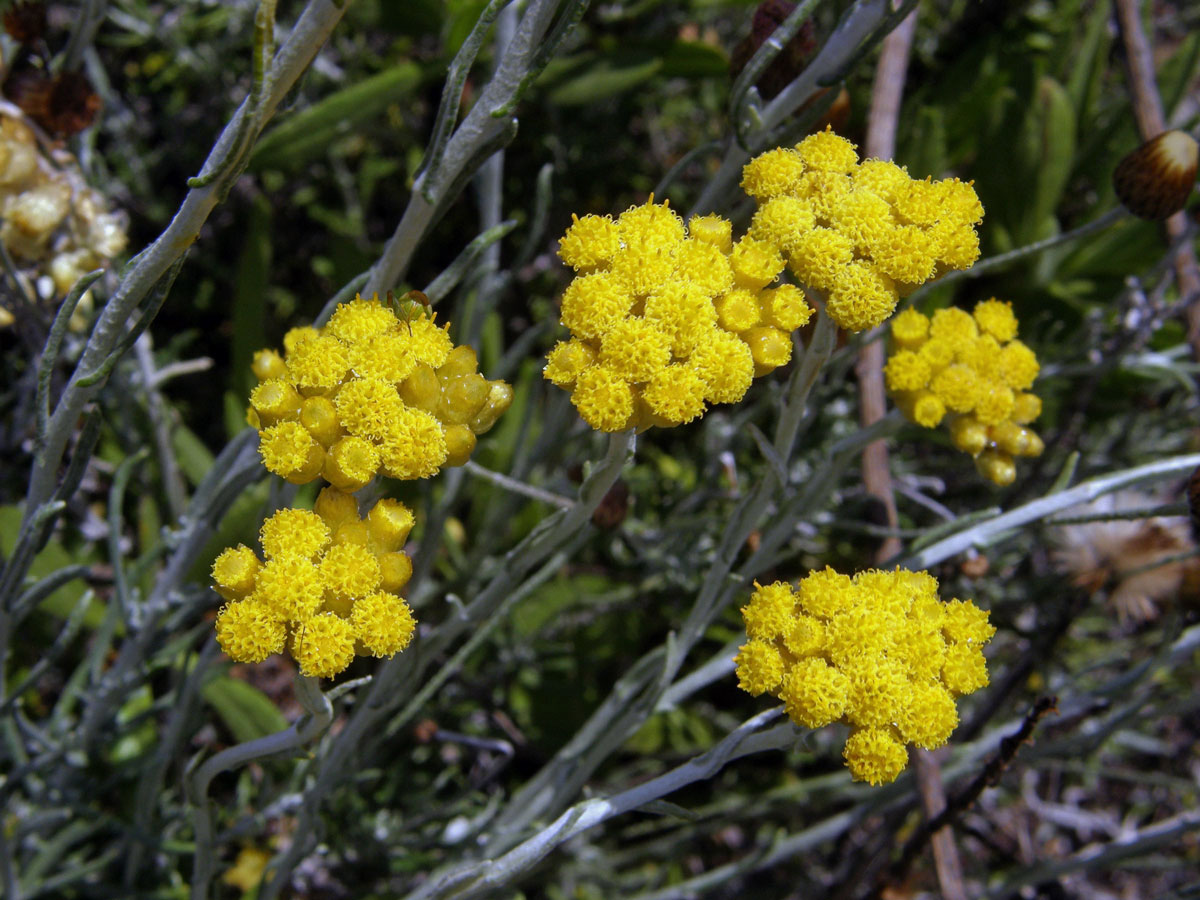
(665, 319)
(371, 392)
(970, 371)
(327, 589)
(864, 233)
(878, 651)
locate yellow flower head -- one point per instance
(326, 592)
(834, 218)
(970, 370)
(879, 652)
(351, 399)
(671, 319)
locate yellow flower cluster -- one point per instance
(878, 651)
(328, 588)
(971, 371)
(665, 319)
(865, 233)
(53, 223)
(370, 392)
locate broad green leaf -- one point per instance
(195, 459)
(50, 559)
(245, 710)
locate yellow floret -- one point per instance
(957, 387)
(248, 633)
(954, 245)
(921, 650)
(923, 407)
(882, 177)
(360, 319)
(929, 716)
(770, 612)
(905, 253)
(460, 444)
(703, 267)
(650, 225)
(268, 364)
(683, 312)
(349, 571)
(823, 191)
(428, 342)
(368, 408)
(965, 669)
(784, 307)
(351, 463)
(770, 348)
(422, 389)
(235, 571)
(824, 593)
(938, 353)
(828, 152)
(863, 217)
(995, 404)
(603, 398)
(1018, 365)
(291, 587)
(589, 242)
(996, 318)
(642, 269)
(335, 507)
(288, 450)
(875, 755)
(725, 365)
(383, 623)
(958, 201)
(386, 357)
(275, 400)
(920, 204)
(635, 349)
(783, 222)
(969, 435)
(415, 448)
(967, 623)
(323, 646)
(389, 523)
(319, 417)
(814, 693)
(954, 325)
(317, 365)
(861, 298)
(738, 310)
(462, 398)
(755, 263)
(294, 532)
(996, 466)
(820, 258)
(676, 393)
(297, 336)
(1026, 408)
(772, 173)
(397, 569)
(592, 304)
(760, 667)
(712, 229)
(910, 329)
(566, 361)
(906, 371)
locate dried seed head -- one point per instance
(1155, 180)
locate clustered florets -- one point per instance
(972, 372)
(327, 588)
(54, 226)
(865, 233)
(878, 651)
(666, 319)
(370, 392)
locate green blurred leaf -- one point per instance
(245, 710)
(927, 152)
(606, 76)
(50, 559)
(692, 59)
(308, 133)
(251, 280)
(1051, 131)
(194, 458)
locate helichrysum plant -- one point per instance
(372, 391)
(864, 234)
(970, 371)
(327, 590)
(878, 651)
(666, 319)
